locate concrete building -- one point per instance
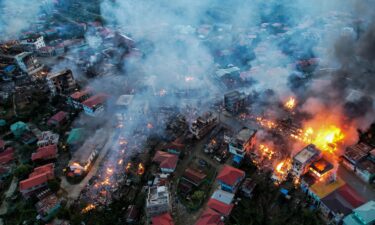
(158, 201)
(95, 105)
(234, 102)
(61, 83)
(303, 159)
(33, 43)
(25, 61)
(203, 124)
(242, 143)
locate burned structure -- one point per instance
(61, 83)
(234, 102)
(203, 124)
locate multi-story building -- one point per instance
(158, 201)
(33, 43)
(77, 98)
(234, 102)
(61, 83)
(242, 143)
(203, 124)
(304, 158)
(25, 61)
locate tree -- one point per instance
(54, 185)
(198, 196)
(22, 171)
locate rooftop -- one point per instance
(46, 204)
(80, 94)
(357, 152)
(163, 219)
(58, 117)
(223, 196)
(166, 160)
(306, 154)
(40, 176)
(245, 134)
(323, 188)
(194, 175)
(46, 152)
(124, 100)
(158, 195)
(95, 100)
(220, 207)
(230, 175)
(209, 217)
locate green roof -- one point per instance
(75, 135)
(18, 128)
(363, 215)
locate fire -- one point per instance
(279, 166)
(128, 166)
(266, 123)
(120, 162)
(266, 151)
(109, 171)
(291, 103)
(88, 208)
(141, 169)
(281, 170)
(106, 181)
(122, 141)
(150, 126)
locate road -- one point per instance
(363, 188)
(73, 190)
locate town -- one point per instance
(163, 113)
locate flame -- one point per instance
(282, 169)
(266, 151)
(122, 141)
(279, 166)
(88, 208)
(266, 123)
(128, 166)
(120, 162)
(291, 103)
(141, 169)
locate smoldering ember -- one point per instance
(188, 112)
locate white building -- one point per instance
(34, 43)
(158, 201)
(303, 159)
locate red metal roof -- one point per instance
(2, 143)
(47, 152)
(7, 155)
(220, 207)
(229, 175)
(209, 217)
(194, 175)
(40, 176)
(166, 160)
(78, 94)
(95, 100)
(164, 219)
(58, 117)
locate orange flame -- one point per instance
(291, 103)
(128, 166)
(88, 208)
(141, 169)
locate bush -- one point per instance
(22, 171)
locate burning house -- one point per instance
(61, 83)
(203, 124)
(304, 158)
(234, 102)
(242, 143)
(83, 158)
(158, 201)
(321, 168)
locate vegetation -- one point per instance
(23, 171)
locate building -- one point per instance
(163, 219)
(354, 154)
(26, 62)
(210, 217)
(45, 153)
(37, 180)
(48, 138)
(230, 178)
(58, 119)
(7, 156)
(167, 161)
(303, 159)
(194, 176)
(321, 168)
(77, 98)
(242, 143)
(221, 202)
(234, 102)
(366, 170)
(203, 124)
(33, 43)
(94, 106)
(363, 215)
(158, 201)
(48, 207)
(61, 83)
(132, 214)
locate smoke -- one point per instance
(16, 16)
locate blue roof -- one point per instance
(9, 68)
(237, 159)
(284, 191)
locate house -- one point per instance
(45, 153)
(221, 202)
(303, 159)
(242, 143)
(210, 217)
(37, 180)
(58, 119)
(75, 137)
(234, 102)
(48, 138)
(194, 176)
(48, 207)
(203, 124)
(61, 83)
(247, 187)
(229, 178)
(77, 98)
(158, 201)
(167, 161)
(354, 154)
(321, 168)
(340, 203)
(163, 219)
(7, 155)
(33, 42)
(363, 215)
(132, 214)
(94, 106)
(366, 170)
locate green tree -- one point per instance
(54, 185)
(22, 171)
(198, 196)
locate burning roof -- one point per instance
(320, 167)
(306, 154)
